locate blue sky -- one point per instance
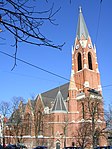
(26, 81)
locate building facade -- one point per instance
(71, 114)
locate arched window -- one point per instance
(57, 118)
(79, 62)
(83, 111)
(27, 124)
(89, 61)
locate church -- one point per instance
(71, 114)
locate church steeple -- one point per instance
(81, 27)
(84, 59)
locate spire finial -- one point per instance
(59, 88)
(80, 9)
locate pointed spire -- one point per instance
(59, 105)
(72, 50)
(81, 27)
(94, 48)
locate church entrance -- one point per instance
(57, 145)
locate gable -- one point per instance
(49, 96)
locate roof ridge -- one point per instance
(60, 86)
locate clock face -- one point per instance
(89, 46)
(77, 46)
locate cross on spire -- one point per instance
(80, 9)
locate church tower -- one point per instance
(85, 73)
(84, 59)
(85, 77)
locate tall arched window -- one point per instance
(89, 61)
(79, 62)
(83, 111)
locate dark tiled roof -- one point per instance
(59, 105)
(49, 96)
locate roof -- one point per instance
(81, 27)
(59, 105)
(49, 96)
(48, 99)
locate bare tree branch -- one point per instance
(24, 23)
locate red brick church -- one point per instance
(71, 114)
